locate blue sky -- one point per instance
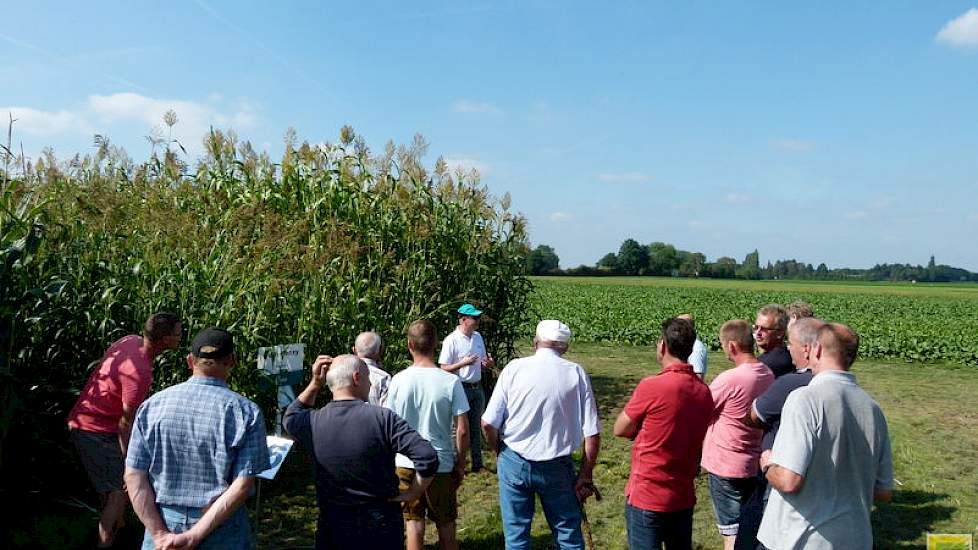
(845, 133)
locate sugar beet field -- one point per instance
(932, 323)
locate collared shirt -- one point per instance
(456, 346)
(124, 375)
(769, 405)
(379, 381)
(778, 360)
(731, 449)
(194, 439)
(698, 358)
(542, 405)
(353, 444)
(429, 399)
(835, 435)
(672, 411)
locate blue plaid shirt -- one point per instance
(194, 439)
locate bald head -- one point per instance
(368, 344)
(341, 371)
(839, 344)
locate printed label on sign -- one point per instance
(278, 449)
(282, 358)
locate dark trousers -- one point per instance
(751, 514)
(360, 526)
(648, 529)
(477, 405)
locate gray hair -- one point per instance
(341, 371)
(559, 347)
(368, 344)
(804, 331)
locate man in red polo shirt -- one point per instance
(667, 417)
(101, 420)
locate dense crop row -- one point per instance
(918, 328)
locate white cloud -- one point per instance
(737, 198)
(467, 164)
(792, 145)
(107, 113)
(961, 32)
(467, 106)
(45, 123)
(857, 215)
(625, 177)
(559, 217)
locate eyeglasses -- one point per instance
(759, 328)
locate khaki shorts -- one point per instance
(439, 499)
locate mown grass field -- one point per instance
(933, 423)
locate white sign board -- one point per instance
(278, 449)
(283, 358)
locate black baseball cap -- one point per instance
(213, 337)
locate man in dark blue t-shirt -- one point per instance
(770, 329)
(353, 445)
(765, 413)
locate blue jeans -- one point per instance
(729, 495)
(650, 530)
(235, 533)
(520, 480)
(477, 405)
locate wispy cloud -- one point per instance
(100, 113)
(625, 177)
(857, 215)
(559, 217)
(737, 198)
(791, 145)
(960, 32)
(468, 106)
(467, 164)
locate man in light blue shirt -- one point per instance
(194, 453)
(698, 357)
(429, 400)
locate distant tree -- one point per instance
(931, 264)
(663, 259)
(724, 268)
(633, 258)
(691, 264)
(609, 262)
(751, 268)
(542, 260)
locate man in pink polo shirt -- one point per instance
(101, 420)
(731, 449)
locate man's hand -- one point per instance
(469, 359)
(584, 487)
(162, 540)
(184, 541)
(319, 368)
(765, 459)
(488, 362)
(459, 471)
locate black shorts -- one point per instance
(102, 459)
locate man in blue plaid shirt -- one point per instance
(193, 455)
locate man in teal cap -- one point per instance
(464, 353)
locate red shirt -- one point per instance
(124, 376)
(672, 410)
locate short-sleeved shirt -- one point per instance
(731, 448)
(698, 358)
(124, 376)
(379, 381)
(835, 435)
(353, 444)
(768, 406)
(194, 439)
(543, 405)
(429, 399)
(778, 360)
(672, 411)
(456, 346)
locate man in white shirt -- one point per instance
(698, 357)
(538, 414)
(429, 399)
(369, 347)
(464, 353)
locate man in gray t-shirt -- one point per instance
(831, 457)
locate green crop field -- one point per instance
(936, 323)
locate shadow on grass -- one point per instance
(911, 515)
(612, 392)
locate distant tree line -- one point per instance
(665, 260)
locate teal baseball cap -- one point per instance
(470, 310)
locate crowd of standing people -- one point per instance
(794, 451)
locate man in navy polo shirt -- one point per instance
(770, 328)
(667, 417)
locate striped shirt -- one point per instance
(194, 439)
